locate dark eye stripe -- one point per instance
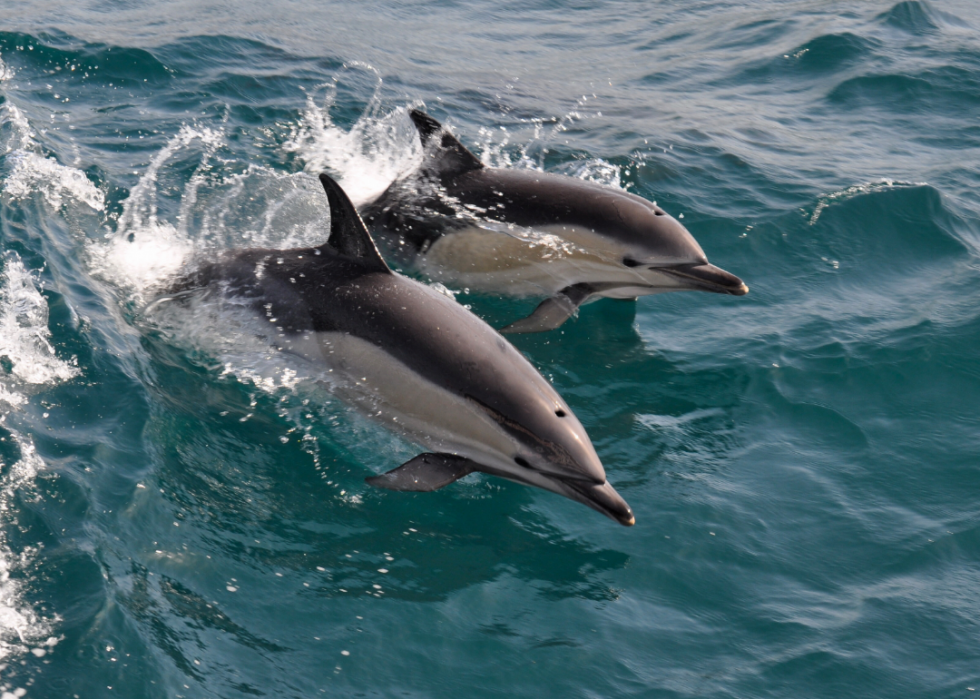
(555, 452)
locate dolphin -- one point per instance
(464, 223)
(413, 359)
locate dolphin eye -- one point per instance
(521, 461)
(659, 212)
(560, 413)
(630, 262)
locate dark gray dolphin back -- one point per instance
(449, 156)
(348, 235)
(533, 199)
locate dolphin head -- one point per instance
(554, 453)
(548, 448)
(664, 256)
(500, 417)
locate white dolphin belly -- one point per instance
(535, 263)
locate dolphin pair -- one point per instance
(604, 242)
(417, 361)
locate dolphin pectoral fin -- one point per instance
(551, 313)
(425, 473)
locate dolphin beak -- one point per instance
(602, 498)
(707, 277)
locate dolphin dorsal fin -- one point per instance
(449, 156)
(348, 234)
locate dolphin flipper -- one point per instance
(425, 473)
(551, 313)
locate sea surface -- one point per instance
(183, 513)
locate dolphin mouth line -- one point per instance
(616, 509)
(601, 497)
(709, 278)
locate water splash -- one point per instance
(27, 357)
(56, 182)
(32, 171)
(496, 149)
(594, 170)
(28, 362)
(225, 204)
(145, 250)
(378, 149)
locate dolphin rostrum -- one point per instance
(414, 359)
(592, 241)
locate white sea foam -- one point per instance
(28, 363)
(35, 173)
(378, 149)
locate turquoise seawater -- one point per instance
(183, 516)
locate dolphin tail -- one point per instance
(551, 313)
(425, 473)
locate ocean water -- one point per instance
(184, 515)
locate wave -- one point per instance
(811, 61)
(842, 195)
(942, 91)
(917, 17)
(29, 364)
